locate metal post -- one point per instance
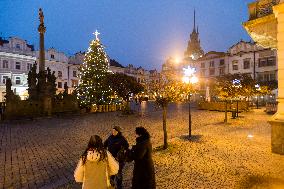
(257, 102)
(237, 108)
(189, 117)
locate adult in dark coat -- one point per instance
(116, 144)
(141, 153)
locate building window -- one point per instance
(271, 61)
(262, 62)
(74, 83)
(272, 77)
(59, 73)
(74, 74)
(202, 73)
(18, 65)
(211, 64)
(266, 77)
(221, 71)
(212, 72)
(29, 66)
(202, 65)
(52, 56)
(18, 46)
(235, 65)
(138, 80)
(18, 80)
(247, 64)
(5, 64)
(222, 62)
(59, 85)
(4, 79)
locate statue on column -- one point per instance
(41, 16)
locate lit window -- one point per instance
(18, 80)
(5, 64)
(18, 65)
(74, 83)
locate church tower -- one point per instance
(194, 50)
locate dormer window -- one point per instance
(18, 46)
(52, 56)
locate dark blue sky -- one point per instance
(139, 32)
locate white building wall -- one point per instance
(15, 51)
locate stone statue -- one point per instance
(41, 16)
(32, 83)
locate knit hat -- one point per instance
(117, 128)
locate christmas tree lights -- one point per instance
(93, 88)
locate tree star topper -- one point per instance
(97, 34)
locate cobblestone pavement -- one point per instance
(43, 153)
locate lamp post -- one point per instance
(257, 87)
(189, 78)
(237, 84)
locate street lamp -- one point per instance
(237, 84)
(189, 78)
(257, 87)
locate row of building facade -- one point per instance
(241, 58)
(17, 58)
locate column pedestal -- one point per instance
(277, 121)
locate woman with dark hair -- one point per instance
(95, 166)
(117, 145)
(141, 153)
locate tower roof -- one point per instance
(194, 49)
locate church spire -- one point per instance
(194, 20)
(194, 50)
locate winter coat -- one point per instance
(116, 143)
(94, 173)
(144, 172)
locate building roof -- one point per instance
(212, 54)
(113, 62)
(2, 41)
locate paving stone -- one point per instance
(44, 153)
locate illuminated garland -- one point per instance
(92, 89)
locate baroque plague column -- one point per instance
(266, 27)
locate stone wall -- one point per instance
(30, 109)
(220, 106)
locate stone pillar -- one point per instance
(41, 30)
(277, 121)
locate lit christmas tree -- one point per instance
(93, 88)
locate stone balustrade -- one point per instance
(261, 8)
(107, 108)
